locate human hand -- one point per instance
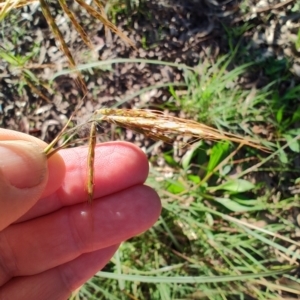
(51, 240)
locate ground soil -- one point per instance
(170, 30)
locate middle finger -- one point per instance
(37, 245)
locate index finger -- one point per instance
(118, 166)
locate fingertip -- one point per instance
(146, 206)
(56, 165)
(156, 205)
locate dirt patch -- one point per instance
(176, 31)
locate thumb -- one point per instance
(23, 177)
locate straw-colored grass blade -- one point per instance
(77, 26)
(62, 44)
(107, 23)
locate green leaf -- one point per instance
(282, 156)
(175, 188)
(247, 202)
(170, 160)
(293, 144)
(235, 186)
(297, 43)
(172, 92)
(9, 58)
(209, 219)
(296, 116)
(188, 156)
(225, 170)
(218, 151)
(31, 76)
(279, 114)
(194, 178)
(232, 205)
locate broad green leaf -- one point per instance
(235, 186)
(175, 188)
(232, 205)
(282, 156)
(293, 144)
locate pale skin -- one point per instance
(51, 240)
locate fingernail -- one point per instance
(22, 163)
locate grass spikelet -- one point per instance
(90, 167)
(157, 125)
(36, 90)
(103, 13)
(77, 26)
(62, 44)
(106, 22)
